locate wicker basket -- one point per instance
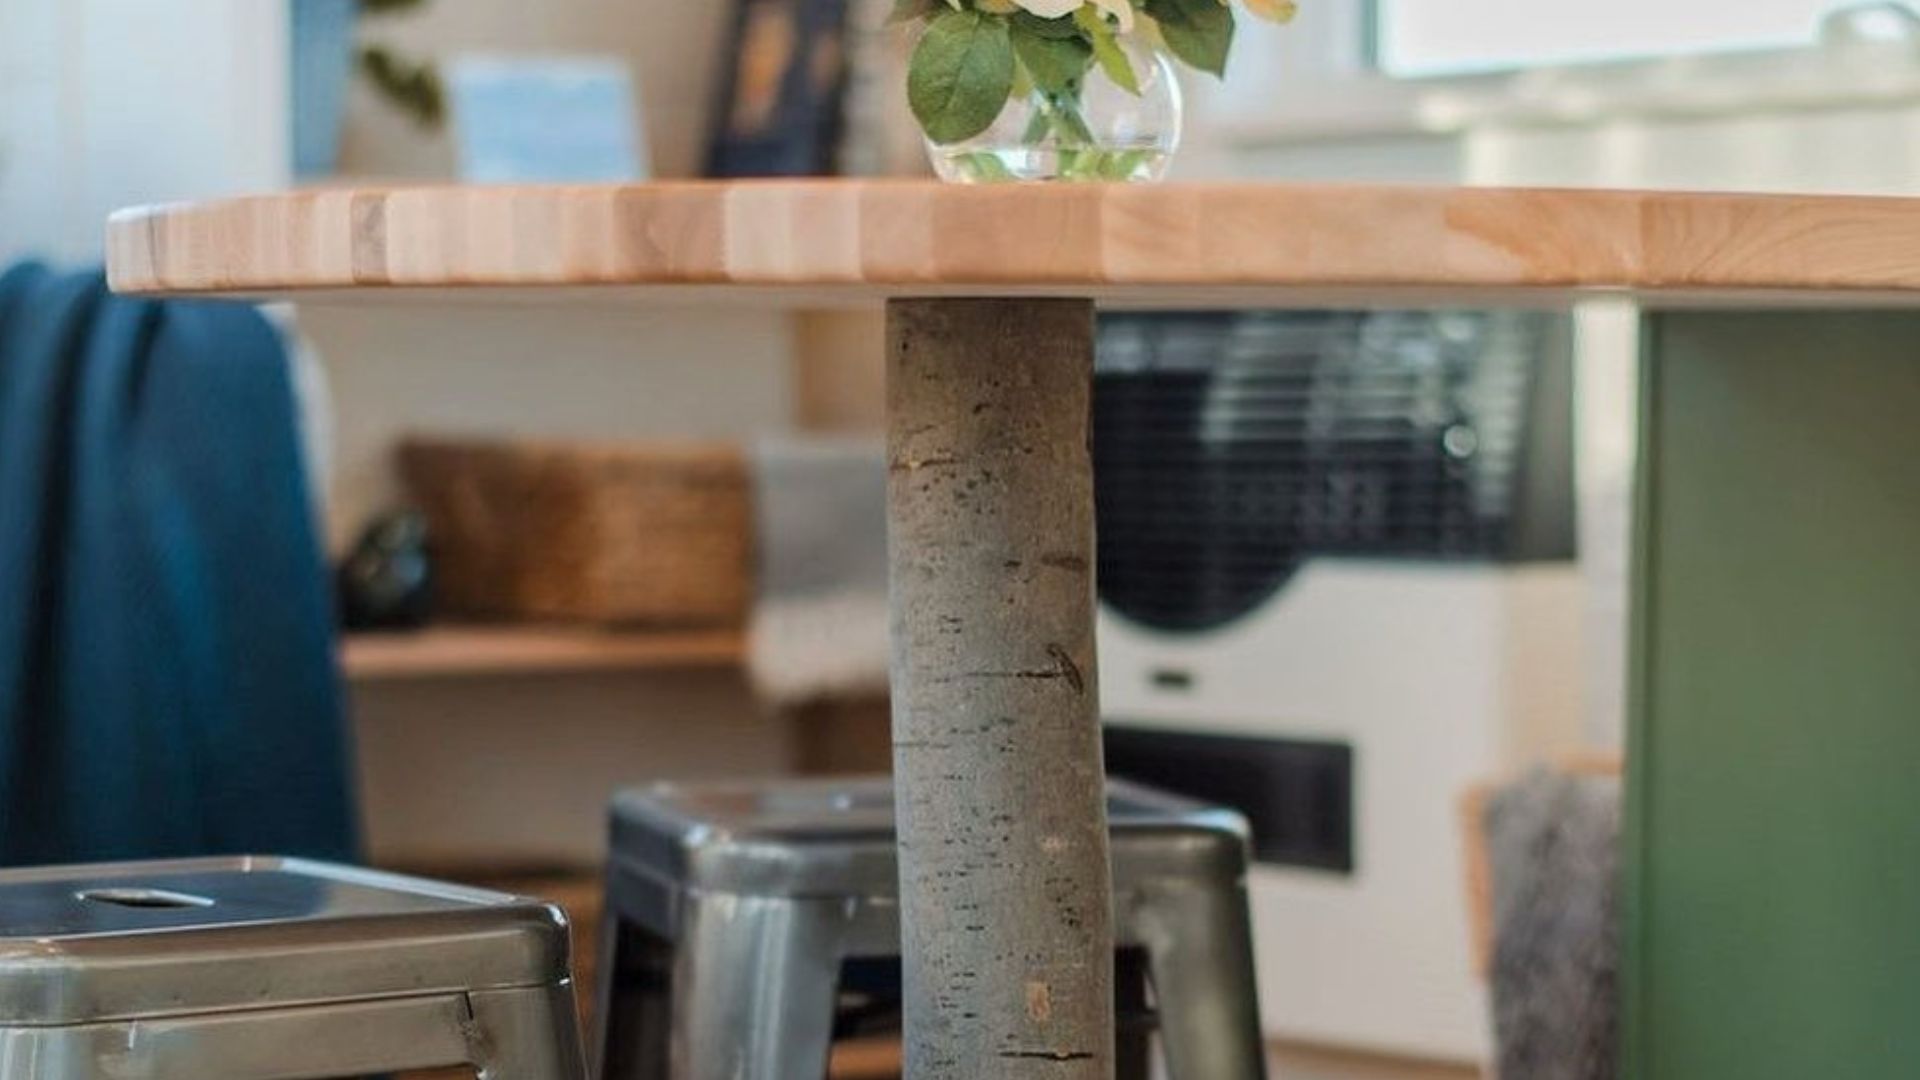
(613, 533)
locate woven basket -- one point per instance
(655, 533)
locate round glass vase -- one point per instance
(1104, 132)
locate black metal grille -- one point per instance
(1231, 447)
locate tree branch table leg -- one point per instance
(1005, 887)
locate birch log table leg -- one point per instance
(1005, 892)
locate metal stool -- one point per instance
(276, 969)
(747, 924)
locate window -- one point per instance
(1438, 37)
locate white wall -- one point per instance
(1867, 148)
(1301, 103)
(592, 372)
(516, 773)
(527, 369)
(105, 103)
(673, 48)
(506, 771)
(518, 770)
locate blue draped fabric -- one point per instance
(167, 676)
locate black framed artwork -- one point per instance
(782, 90)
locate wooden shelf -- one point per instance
(453, 652)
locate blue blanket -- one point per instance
(167, 681)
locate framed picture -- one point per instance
(533, 119)
(782, 93)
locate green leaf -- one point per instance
(1107, 50)
(985, 168)
(414, 87)
(1062, 27)
(1199, 32)
(1039, 126)
(1022, 82)
(905, 11)
(1056, 64)
(388, 7)
(960, 75)
(1122, 164)
(1068, 124)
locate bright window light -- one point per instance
(1435, 37)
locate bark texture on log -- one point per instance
(1004, 881)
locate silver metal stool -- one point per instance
(747, 924)
(272, 969)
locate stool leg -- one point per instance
(635, 1002)
(531, 1034)
(1133, 1018)
(754, 983)
(606, 987)
(1200, 953)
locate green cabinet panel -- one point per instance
(1773, 925)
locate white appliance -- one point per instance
(1338, 591)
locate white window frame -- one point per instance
(1378, 25)
(1319, 82)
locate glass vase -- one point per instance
(1100, 132)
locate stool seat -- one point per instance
(115, 942)
(258, 967)
(836, 837)
(735, 909)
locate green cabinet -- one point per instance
(1773, 861)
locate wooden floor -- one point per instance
(881, 1061)
(1294, 1062)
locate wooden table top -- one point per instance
(834, 242)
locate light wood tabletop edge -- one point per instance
(1111, 241)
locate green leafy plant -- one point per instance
(973, 55)
(412, 86)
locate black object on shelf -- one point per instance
(386, 581)
(779, 107)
